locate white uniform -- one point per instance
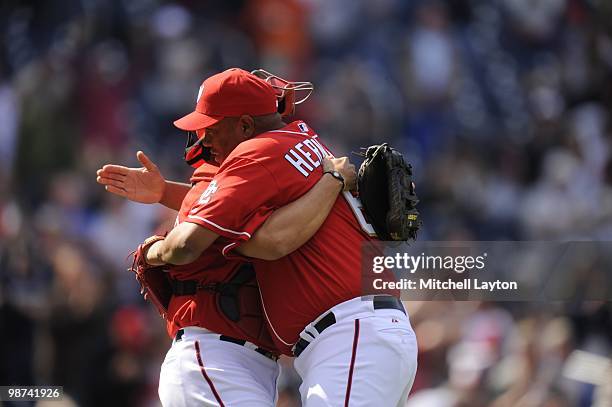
(377, 370)
(202, 370)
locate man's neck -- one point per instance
(265, 127)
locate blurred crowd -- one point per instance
(503, 108)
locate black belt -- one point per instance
(225, 338)
(380, 302)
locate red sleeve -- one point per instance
(238, 200)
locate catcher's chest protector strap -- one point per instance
(184, 287)
(227, 291)
(237, 299)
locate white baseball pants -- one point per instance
(367, 358)
(201, 370)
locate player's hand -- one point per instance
(145, 184)
(345, 168)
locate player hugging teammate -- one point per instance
(265, 195)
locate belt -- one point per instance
(380, 302)
(225, 338)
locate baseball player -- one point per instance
(213, 361)
(349, 350)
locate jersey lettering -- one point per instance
(302, 160)
(298, 161)
(324, 151)
(205, 197)
(314, 148)
(314, 163)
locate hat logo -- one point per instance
(200, 93)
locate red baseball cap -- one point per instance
(231, 93)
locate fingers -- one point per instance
(146, 161)
(342, 160)
(340, 163)
(115, 190)
(117, 183)
(113, 170)
(101, 175)
(344, 167)
(350, 177)
(327, 164)
(104, 176)
(350, 184)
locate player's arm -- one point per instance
(183, 245)
(292, 225)
(145, 184)
(174, 193)
(283, 232)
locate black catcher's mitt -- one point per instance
(385, 187)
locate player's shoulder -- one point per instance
(204, 173)
(296, 128)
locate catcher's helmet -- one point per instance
(286, 91)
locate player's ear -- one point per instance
(246, 126)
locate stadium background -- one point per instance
(502, 106)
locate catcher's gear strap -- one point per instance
(237, 299)
(184, 287)
(386, 190)
(228, 291)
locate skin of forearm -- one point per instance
(173, 195)
(164, 253)
(183, 245)
(294, 224)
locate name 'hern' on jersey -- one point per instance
(263, 174)
(301, 155)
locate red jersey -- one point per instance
(211, 266)
(259, 176)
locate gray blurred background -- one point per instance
(503, 107)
